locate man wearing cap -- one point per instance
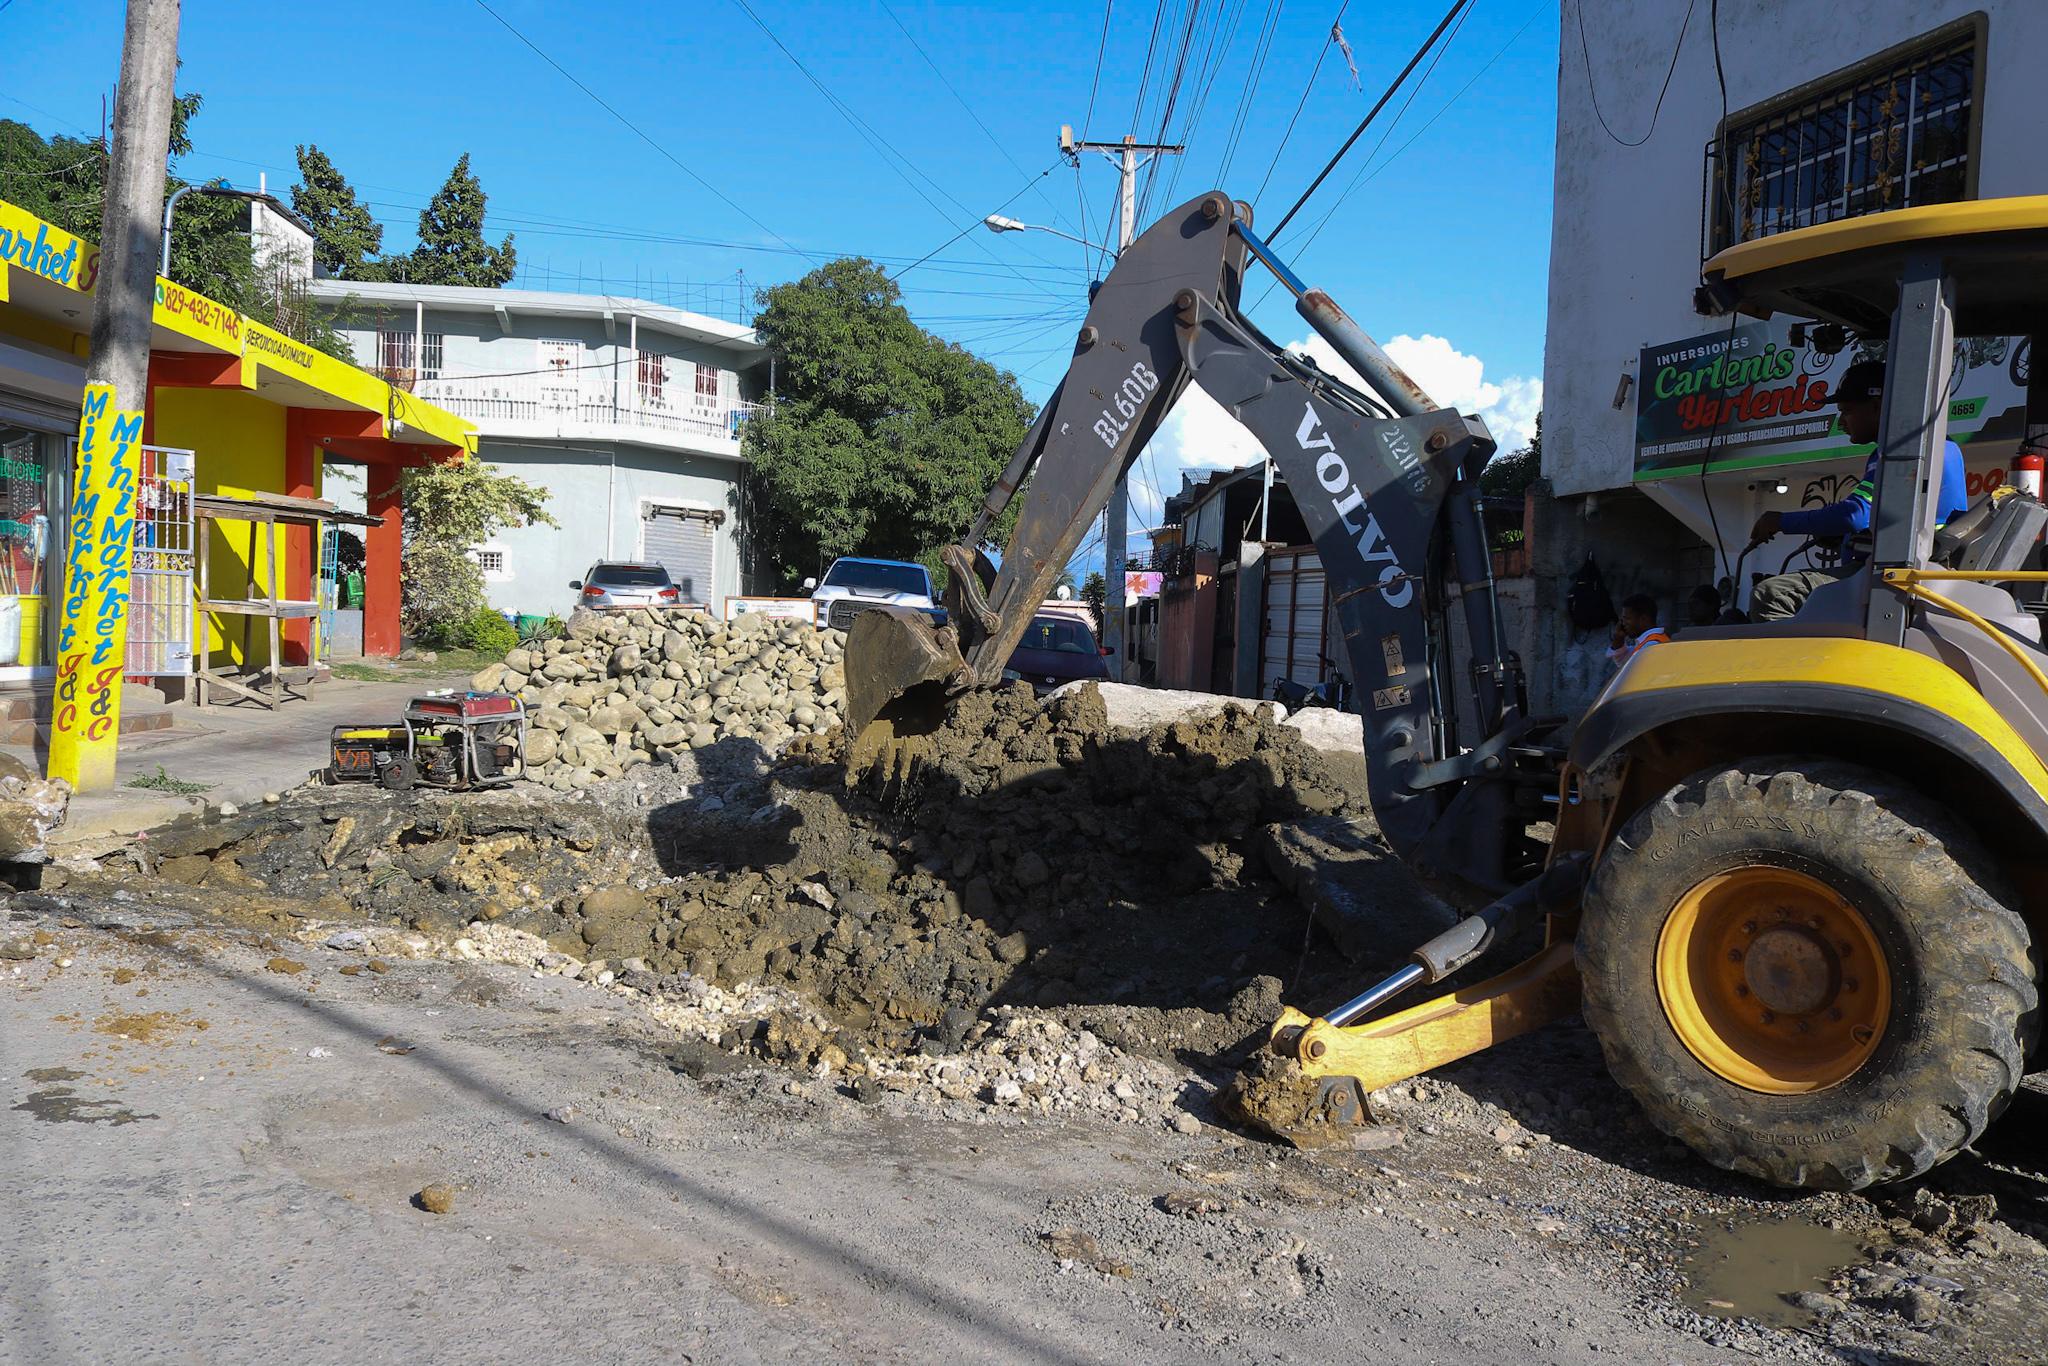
(1860, 399)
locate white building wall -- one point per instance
(1627, 221)
(541, 561)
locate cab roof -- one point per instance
(1847, 272)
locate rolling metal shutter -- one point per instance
(1296, 619)
(685, 542)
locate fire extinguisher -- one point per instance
(2027, 469)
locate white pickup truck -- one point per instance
(852, 585)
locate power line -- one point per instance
(1457, 7)
(1323, 52)
(974, 223)
(1255, 74)
(641, 133)
(1369, 173)
(1586, 53)
(1219, 38)
(883, 148)
(1101, 45)
(1358, 176)
(961, 100)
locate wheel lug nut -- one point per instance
(1741, 990)
(1834, 1012)
(1805, 1028)
(1848, 984)
(1749, 927)
(1770, 1016)
(1843, 948)
(1735, 955)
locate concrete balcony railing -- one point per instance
(510, 404)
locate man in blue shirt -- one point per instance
(1860, 399)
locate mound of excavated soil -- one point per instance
(1041, 857)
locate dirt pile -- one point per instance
(629, 688)
(1039, 858)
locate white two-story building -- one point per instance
(628, 412)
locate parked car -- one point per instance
(1057, 649)
(853, 585)
(620, 583)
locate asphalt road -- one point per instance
(233, 1181)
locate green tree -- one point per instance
(1509, 475)
(449, 509)
(451, 249)
(64, 180)
(345, 236)
(883, 438)
(1095, 592)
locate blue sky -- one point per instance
(1444, 240)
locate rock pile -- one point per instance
(31, 806)
(628, 688)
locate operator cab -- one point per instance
(1917, 279)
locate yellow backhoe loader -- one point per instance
(1794, 873)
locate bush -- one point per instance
(484, 630)
(488, 633)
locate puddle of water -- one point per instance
(55, 1104)
(1747, 1271)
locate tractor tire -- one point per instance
(1809, 973)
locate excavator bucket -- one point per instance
(900, 669)
(1309, 1085)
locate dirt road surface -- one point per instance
(214, 1160)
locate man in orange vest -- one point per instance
(1637, 628)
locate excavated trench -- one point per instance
(1037, 857)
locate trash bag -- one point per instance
(1589, 604)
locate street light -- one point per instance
(995, 222)
(215, 187)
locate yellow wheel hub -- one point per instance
(1772, 980)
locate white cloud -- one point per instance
(1454, 379)
(1199, 435)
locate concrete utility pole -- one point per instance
(92, 632)
(1128, 156)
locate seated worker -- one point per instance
(1637, 628)
(1703, 608)
(1860, 399)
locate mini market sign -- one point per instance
(1749, 398)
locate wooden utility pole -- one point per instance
(92, 624)
(1126, 155)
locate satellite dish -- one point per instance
(1063, 593)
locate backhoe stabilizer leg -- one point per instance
(1313, 1075)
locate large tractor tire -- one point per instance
(1809, 973)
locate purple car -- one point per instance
(1057, 650)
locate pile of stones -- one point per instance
(620, 689)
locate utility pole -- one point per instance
(1128, 156)
(92, 631)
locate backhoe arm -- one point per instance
(1389, 498)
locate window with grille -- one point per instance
(653, 376)
(410, 353)
(708, 378)
(1896, 131)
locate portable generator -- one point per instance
(455, 740)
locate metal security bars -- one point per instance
(160, 581)
(1897, 131)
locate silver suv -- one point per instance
(621, 583)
